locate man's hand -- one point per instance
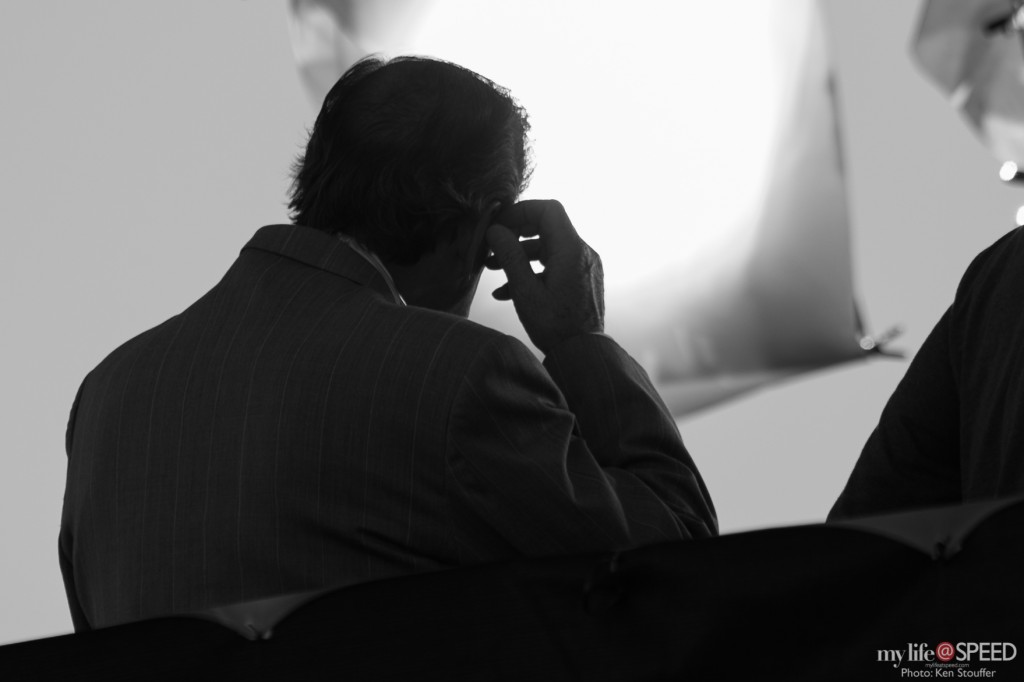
(567, 298)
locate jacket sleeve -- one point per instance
(912, 457)
(583, 456)
(65, 545)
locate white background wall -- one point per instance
(141, 144)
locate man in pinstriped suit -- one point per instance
(326, 415)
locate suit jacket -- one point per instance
(299, 428)
(953, 430)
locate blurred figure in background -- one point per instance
(953, 430)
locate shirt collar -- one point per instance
(373, 260)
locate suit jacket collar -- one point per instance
(327, 252)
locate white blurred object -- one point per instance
(972, 50)
(328, 36)
(700, 156)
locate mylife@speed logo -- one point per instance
(946, 652)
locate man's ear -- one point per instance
(476, 244)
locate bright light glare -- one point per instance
(1008, 171)
(1020, 215)
(698, 155)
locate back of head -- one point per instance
(406, 151)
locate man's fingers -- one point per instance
(511, 257)
(544, 217)
(531, 247)
(523, 217)
(502, 293)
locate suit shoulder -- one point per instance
(131, 348)
(452, 328)
(460, 341)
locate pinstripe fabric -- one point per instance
(296, 428)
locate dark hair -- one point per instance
(405, 151)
